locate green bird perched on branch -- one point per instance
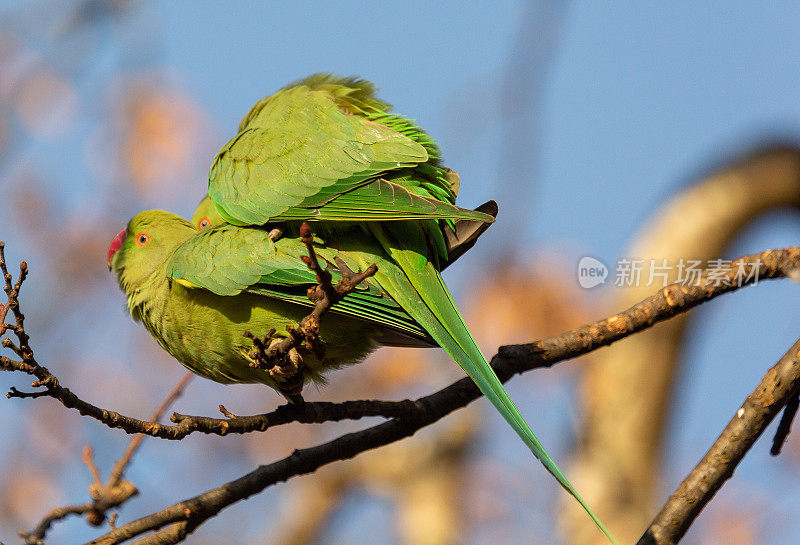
(324, 150)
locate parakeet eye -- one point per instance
(203, 223)
(142, 239)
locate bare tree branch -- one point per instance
(35, 536)
(777, 388)
(174, 533)
(115, 492)
(509, 361)
(666, 303)
(174, 523)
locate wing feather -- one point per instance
(298, 143)
(228, 260)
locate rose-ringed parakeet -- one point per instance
(324, 150)
(197, 293)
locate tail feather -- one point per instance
(429, 301)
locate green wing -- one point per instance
(228, 260)
(327, 149)
(380, 199)
(296, 145)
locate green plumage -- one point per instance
(197, 293)
(326, 149)
(322, 149)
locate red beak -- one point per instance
(116, 244)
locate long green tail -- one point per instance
(429, 301)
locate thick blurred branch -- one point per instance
(617, 464)
(777, 388)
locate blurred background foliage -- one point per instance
(582, 119)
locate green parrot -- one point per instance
(197, 293)
(323, 150)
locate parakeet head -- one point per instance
(148, 240)
(206, 215)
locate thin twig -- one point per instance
(35, 536)
(785, 425)
(119, 467)
(115, 492)
(3, 312)
(777, 388)
(87, 458)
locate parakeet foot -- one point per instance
(277, 355)
(289, 367)
(281, 358)
(275, 234)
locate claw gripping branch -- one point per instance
(283, 358)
